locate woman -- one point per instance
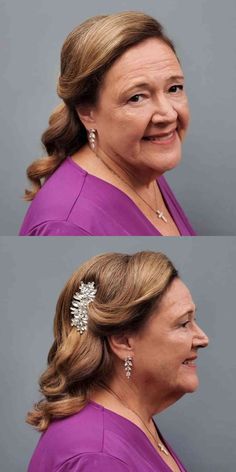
(120, 128)
(125, 346)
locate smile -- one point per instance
(190, 362)
(166, 139)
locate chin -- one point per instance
(188, 385)
(191, 387)
(168, 162)
(172, 164)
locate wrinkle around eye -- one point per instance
(136, 95)
(185, 324)
(179, 87)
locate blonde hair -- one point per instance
(87, 53)
(128, 289)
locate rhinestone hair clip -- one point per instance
(79, 305)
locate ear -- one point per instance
(86, 115)
(121, 345)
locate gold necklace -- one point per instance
(157, 212)
(159, 444)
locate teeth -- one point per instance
(189, 362)
(160, 138)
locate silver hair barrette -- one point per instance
(79, 305)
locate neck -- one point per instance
(146, 424)
(138, 178)
(122, 395)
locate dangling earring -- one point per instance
(128, 366)
(92, 138)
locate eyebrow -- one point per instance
(172, 78)
(188, 312)
(175, 77)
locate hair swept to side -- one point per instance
(87, 53)
(128, 288)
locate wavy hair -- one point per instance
(87, 53)
(128, 289)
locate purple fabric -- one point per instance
(75, 203)
(96, 439)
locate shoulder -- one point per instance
(56, 199)
(55, 228)
(99, 462)
(73, 203)
(67, 438)
(80, 433)
(75, 441)
(62, 188)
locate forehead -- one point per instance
(150, 58)
(175, 304)
(177, 300)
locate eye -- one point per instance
(136, 98)
(176, 88)
(183, 325)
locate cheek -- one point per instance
(134, 124)
(126, 132)
(184, 117)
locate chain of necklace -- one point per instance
(157, 212)
(157, 441)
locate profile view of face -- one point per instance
(167, 348)
(142, 112)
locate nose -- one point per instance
(200, 338)
(164, 110)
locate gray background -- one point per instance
(201, 427)
(204, 32)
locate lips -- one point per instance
(162, 137)
(190, 361)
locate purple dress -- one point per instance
(75, 203)
(97, 440)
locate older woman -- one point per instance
(125, 348)
(120, 128)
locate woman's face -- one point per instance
(165, 351)
(142, 112)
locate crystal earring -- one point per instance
(92, 138)
(128, 366)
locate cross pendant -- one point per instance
(161, 216)
(163, 449)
